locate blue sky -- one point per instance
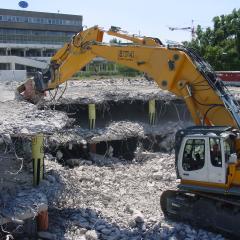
(149, 17)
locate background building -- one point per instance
(28, 39)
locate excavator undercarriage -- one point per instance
(214, 212)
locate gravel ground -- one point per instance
(117, 201)
(112, 200)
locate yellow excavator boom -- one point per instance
(174, 68)
(182, 72)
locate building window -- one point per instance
(39, 20)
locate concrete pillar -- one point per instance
(37, 157)
(42, 50)
(12, 65)
(26, 49)
(152, 111)
(8, 51)
(92, 115)
(38, 173)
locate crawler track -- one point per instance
(208, 211)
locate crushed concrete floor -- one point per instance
(101, 196)
(115, 89)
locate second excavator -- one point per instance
(207, 155)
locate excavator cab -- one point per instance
(203, 154)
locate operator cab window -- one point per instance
(228, 148)
(215, 152)
(193, 155)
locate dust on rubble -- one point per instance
(93, 201)
(116, 202)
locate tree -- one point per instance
(115, 41)
(220, 46)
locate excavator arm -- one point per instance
(175, 69)
(182, 72)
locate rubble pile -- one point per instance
(19, 201)
(120, 201)
(112, 89)
(26, 119)
(103, 197)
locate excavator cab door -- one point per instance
(192, 164)
(216, 164)
(201, 158)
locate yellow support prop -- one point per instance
(92, 115)
(152, 111)
(37, 157)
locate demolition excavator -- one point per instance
(207, 154)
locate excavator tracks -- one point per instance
(208, 211)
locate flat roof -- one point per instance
(40, 26)
(40, 14)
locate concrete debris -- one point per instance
(47, 235)
(102, 197)
(138, 217)
(117, 202)
(23, 118)
(91, 235)
(7, 90)
(24, 205)
(116, 131)
(117, 89)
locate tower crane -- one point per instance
(190, 29)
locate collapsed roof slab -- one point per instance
(114, 131)
(112, 89)
(25, 118)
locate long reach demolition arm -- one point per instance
(174, 68)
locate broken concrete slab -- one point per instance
(94, 197)
(113, 89)
(26, 204)
(26, 119)
(114, 131)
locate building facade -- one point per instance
(28, 39)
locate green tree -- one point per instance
(220, 46)
(115, 41)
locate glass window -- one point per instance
(194, 154)
(215, 152)
(228, 148)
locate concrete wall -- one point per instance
(13, 75)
